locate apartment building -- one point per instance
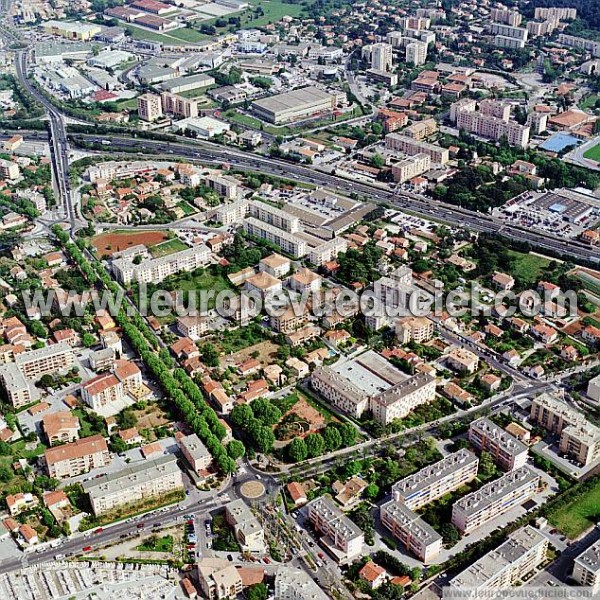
(494, 499)
(417, 536)
(288, 320)
(520, 555)
(328, 251)
(149, 107)
(289, 243)
(416, 53)
(420, 130)
(77, 457)
(581, 443)
(193, 327)
(553, 414)
(405, 144)
(49, 359)
(507, 451)
(539, 28)
(195, 453)
(274, 216)
(102, 391)
(341, 392)
(436, 480)
(506, 15)
(414, 329)
(178, 105)
(586, 568)
(276, 265)
(219, 579)
(151, 478)
(112, 169)
(305, 280)
(248, 531)
(154, 270)
(518, 33)
(556, 12)
(9, 170)
(61, 427)
(224, 185)
(462, 360)
(571, 41)
(381, 57)
(410, 167)
(15, 385)
(295, 584)
(233, 213)
(342, 537)
(593, 389)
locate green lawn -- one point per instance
(156, 544)
(129, 104)
(579, 515)
(188, 209)
(168, 247)
(273, 10)
(589, 102)
(528, 268)
(593, 153)
(205, 279)
(188, 35)
(151, 36)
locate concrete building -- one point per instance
(61, 427)
(436, 480)
(219, 579)
(274, 216)
(462, 360)
(102, 391)
(494, 499)
(248, 531)
(232, 213)
(381, 57)
(149, 107)
(556, 12)
(178, 105)
(15, 385)
(416, 535)
(507, 451)
(72, 30)
(518, 33)
(154, 270)
(295, 584)
(414, 329)
(294, 106)
(276, 265)
(193, 327)
(411, 167)
(9, 170)
(195, 453)
(49, 359)
(77, 457)
(593, 389)
(506, 15)
(520, 555)
(227, 187)
(420, 130)
(151, 478)
(328, 251)
(586, 568)
(405, 144)
(342, 538)
(289, 243)
(416, 53)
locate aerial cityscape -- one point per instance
(299, 300)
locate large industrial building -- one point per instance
(295, 105)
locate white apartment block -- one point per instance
(341, 392)
(416, 53)
(557, 12)
(416, 535)
(9, 170)
(49, 359)
(102, 391)
(195, 453)
(518, 33)
(289, 243)
(77, 457)
(224, 185)
(248, 531)
(274, 216)
(586, 568)
(414, 329)
(151, 478)
(120, 170)
(520, 555)
(494, 499)
(506, 15)
(381, 57)
(149, 107)
(506, 450)
(593, 389)
(411, 167)
(436, 480)
(276, 265)
(232, 214)
(178, 105)
(193, 327)
(154, 270)
(328, 251)
(539, 28)
(295, 584)
(15, 385)
(405, 144)
(342, 537)
(571, 41)
(581, 443)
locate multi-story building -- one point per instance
(219, 579)
(8, 169)
(15, 385)
(405, 144)
(149, 107)
(463, 360)
(420, 130)
(416, 535)
(49, 359)
(274, 216)
(102, 391)
(77, 457)
(328, 251)
(593, 389)
(233, 213)
(195, 453)
(276, 265)
(342, 538)
(494, 499)
(553, 414)
(61, 427)
(295, 584)
(224, 185)
(289, 320)
(151, 478)
(416, 53)
(539, 28)
(414, 329)
(193, 327)
(248, 531)
(289, 243)
(580, 43)
(410, 167)
(305, 280)
(520, 555)
(518, 33)
(507, 451)
(295, 105)
(556, 12)
(178, 105)
(506, 15)
(436, 480)
(586, 568)
(154, 270)
(381, 57)
(581, 443)
(341, 392)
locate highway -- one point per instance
(209, 153)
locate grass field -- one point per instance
(188, 35)
(274, 10)
(528, 267)
(576, 517)
(168, 247)
(188, 209)
(207, 279)
(589, 102)
(129, 104)
(156, 544)
(151, 36)
(593, 153)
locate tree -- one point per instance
(5, 449)
(126, 419)
(347, 434)
(266, 412)
(487, 468)
(242, 416)
(263, 437)
(88, 340)
(315, 445)
(235, 449)
(371, 491)
(258, 591)
(450, 534)
(296, 450)
(117, 444)
(377, 161)
(332, 438)
(210, 356)
(6, 474)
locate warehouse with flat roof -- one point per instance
(293, 106)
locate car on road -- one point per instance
(267, 560)
(86, 548)
(321, 556)
(99, 530)
(140, 525)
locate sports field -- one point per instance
(593, 153)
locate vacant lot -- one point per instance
(108, 243)
(528, 267)
(574, 518)
(266, 354)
